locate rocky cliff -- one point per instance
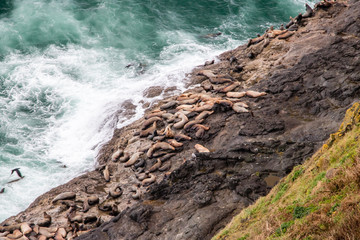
(195, 160)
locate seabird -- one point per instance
(17, 172)
(2, 190)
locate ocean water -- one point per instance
(63, 74)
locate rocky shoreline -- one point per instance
(195, 160)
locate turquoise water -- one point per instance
(63, 73)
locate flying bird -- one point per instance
(17, 172)
(2, 190)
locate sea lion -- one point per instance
(159, 145)
(181, 137)
(157, 138)
(206, 107)
(140, 163)
(105, 207)
(137, 194)
(241, 104)
(293, 28)
(133, 159)
(239, 108)
(168, 105)
(64, 196)
(155, 114)
(185, 107)
(86, 206)
(25, 228)
(10, 228)
(203, 115)
(210, 62)
(183, 120)
(106, 173)
(200, 133)
(4, 234)
(291, 22)
(149, 180)
(229, 87)
(125, 157)
(116, 192)
(232, 60)
(46, 222)
(200, 126)
(150, 121)
(255, 94)
(90, 219)
(235, 94)
(212, 35)
(92, 200)
(175, 143)
(141, 176)
(266, 41)
(165, 167)
(255, 40)
(15, 235)
(201, 148)
(191, 123)
(168, 117)
(225, 103)
(155, 166)
(185, 96)
(116, 155)
(220, 80)
(286, 35)
(190, 101)
(298, 18)
(159, 154)
(167, 157)
(148, 131)
(62, 232)
(309, 12)
(207, 73)
(282, 27)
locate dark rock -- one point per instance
(153, 91)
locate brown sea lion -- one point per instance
(133, 159)
(255, 94)
(46, 221)
(116, 155)
(149, 180)
(155, 166)
(309, 12)
(148, 131)
(203, 115)
(154, 114)
(175, 143)
(106, 173)
(181, 137)
(116, 192)
(235, 94)
(201, 148)
(64, 196)
(150, 121)
(159, 145)
(183, 120)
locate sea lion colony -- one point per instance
(150, 155)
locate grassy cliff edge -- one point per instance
(317, 200)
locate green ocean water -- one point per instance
(63, 74)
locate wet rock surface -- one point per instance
(302, 86)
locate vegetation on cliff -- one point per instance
(317, 200)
